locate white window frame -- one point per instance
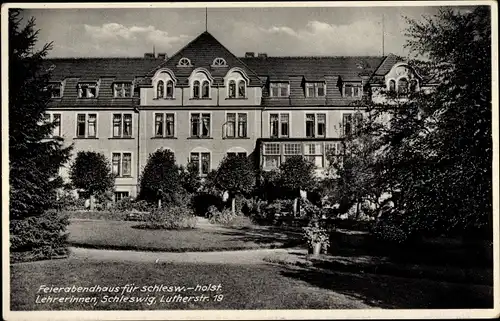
(222, 63)
(316, 153)
(184, 59)
(236, 124)
(164, 75)
(164, 125)
(91, 84)
(122, 119)
(51, 120)
(276, 155)
(285, 154)
(123, 192)
(352, 84)
(86, 136)
(200, 113)
(279, 113)
(315, 85)
(122, 84)
(60, 85)
(120, 175)
(201, 151)
(316, 113)
(279, 91)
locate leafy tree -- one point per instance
(235, 175)
(34, 157)
(190, 178)
(91, 172)
(297, 174)
(160, 179)
(434, 154)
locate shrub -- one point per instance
(224, 217)
(69, 202)
(171, 218)
(129, 204)
(39, 237)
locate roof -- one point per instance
(201, 52)
(348, 68)
(95, 68)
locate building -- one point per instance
(204, 102)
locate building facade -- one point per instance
(204, 102)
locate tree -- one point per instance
(189, 177)
(434, 155)
(296, 174)
(235, 174)
(160, 179)
(34, 156)
(91, 172)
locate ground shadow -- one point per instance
(264, 236)
(395, 292)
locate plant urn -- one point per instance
(316, 249)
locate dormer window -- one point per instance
(403, 86)
(160, 89)
(392, 85)
(219, 62)
(164, 84)
(205, 89)
(122, 90)
(55, 90)
(170, 89)
(315, 89)
(196, 89)
(278, 89)
(184, 62)
(200, 84)
(87, 90)
(352, 90)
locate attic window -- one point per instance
(278, 89)
(219, 62)
(122, 90)
(315, 89)
(184, 62)
(87, 90)
(55, 90)
(352, 90)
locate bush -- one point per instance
(171, 218)
(69, 202)
(203, 201)
(128, 204)
(39, 237)
(224, 217)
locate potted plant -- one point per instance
(318, 239)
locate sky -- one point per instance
(306, 31)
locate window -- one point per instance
(241, 89)
(279, 89)
(202, 162)
(122, 164)
(352, 124)
(55, 90)
(392, 85)
(159, 125)
(120, 195)
(352, 90)
(232, 89)
(271, 153)
(170, 89)
(170, 118)
(315, 89)
(241, 154)
(403, 86)
(219, 62)
(164, 125)
(310, 125)
(160, 89)
(333, 150)
(56, 118)
(315, 125)
(291, 149)
(184, 62)
(87, 90)
(80, 125)
(86, 125)
(314, 153)
(205, 93)
(279, 125)
(122, 90)
(122, 122)
(196, 89)
(236, 125)
(200, 125)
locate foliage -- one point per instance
(203, 201)
(235, 174)
(39, 237)
(129, 204)
(224, 217)
(280, 207)
(189, 178)
(91, 172)
(296, 173)
(315, 234)
(171, 218)
(433, 154)
(67, 201)
(34, 156)
(160, 178)
(310, 210)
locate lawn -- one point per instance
(125, 235)
(242, 287)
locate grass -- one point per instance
(121, 235)
(242, 287)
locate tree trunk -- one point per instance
(91, 202)
(233, 204)
(295, 202)
(159, 203)
(357, 208)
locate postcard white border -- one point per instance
(245, 314)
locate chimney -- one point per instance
(262, 55)
(162, 56)
(249, 54)
(149, 55)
